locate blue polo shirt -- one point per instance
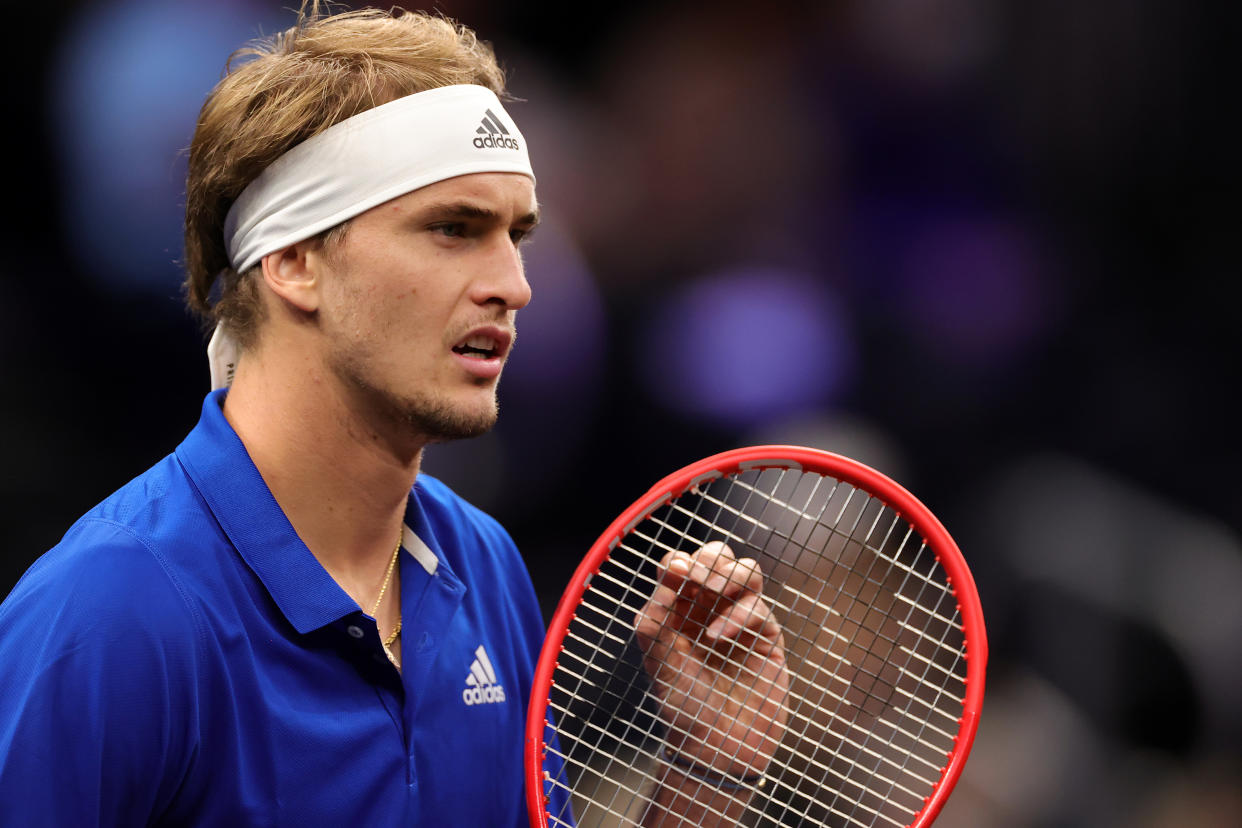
(182, 658)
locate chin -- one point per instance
(441, 423)
(457, 430)
(436, 417)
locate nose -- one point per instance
(503, 280)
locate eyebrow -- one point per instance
(471, 211)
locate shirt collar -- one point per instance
(226, 477)
(222, 471)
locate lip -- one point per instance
(489, 367)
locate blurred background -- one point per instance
(982, 246)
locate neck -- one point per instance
(340, 480)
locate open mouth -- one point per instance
(478, 346)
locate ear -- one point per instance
(293, 275)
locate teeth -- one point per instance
(477, 347)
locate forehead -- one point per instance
(511, 194)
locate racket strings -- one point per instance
(840, 699)
(845, 782)
(872, 636)
(886, 786)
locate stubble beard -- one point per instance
(440, 422)
(434, 419)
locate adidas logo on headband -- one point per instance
(493, 133)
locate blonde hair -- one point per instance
(279, 91)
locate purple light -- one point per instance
(744, 346)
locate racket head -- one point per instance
(815, 521)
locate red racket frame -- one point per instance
(748, 459)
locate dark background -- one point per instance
(987, 247)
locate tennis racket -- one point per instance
(859, 710)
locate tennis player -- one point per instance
(283, 622)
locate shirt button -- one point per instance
(355, 631)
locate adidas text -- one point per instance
(490, 694)
(502, 141)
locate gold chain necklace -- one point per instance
(392, 564)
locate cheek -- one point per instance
(407, 321)
(359, 314)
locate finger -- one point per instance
(656, 644)
(720, 562)
(728, 581)
(708, 567)
(703, 582)
(653, 617)
(731, 578)
(658, 626)
(713, 552)
(675, 569)
(665, 613)
(685, 574)
(749, 618)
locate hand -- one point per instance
(716, 655)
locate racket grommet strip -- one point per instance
(723, 781)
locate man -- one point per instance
(275, 624)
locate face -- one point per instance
(419, 300)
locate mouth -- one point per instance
(484, 344)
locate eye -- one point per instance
(453, 230)
(520, 234)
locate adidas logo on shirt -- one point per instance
(492, 133)
(481, 686)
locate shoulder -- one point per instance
(110, 577)
(162, 506)
(104, 582)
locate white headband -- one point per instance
(368, 159)
(360, 163)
